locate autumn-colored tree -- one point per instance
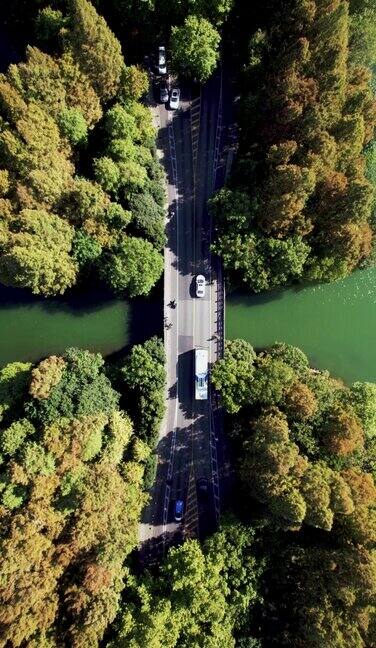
(324, 596)
(134, 83)
(46, 375)
(300, 401)
(70, 505)
(305, 119)
(342, 432)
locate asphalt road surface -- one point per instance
(191, 145)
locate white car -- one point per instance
(200, 286)
(162, 67)
(175, 99)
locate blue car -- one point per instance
(179, 510)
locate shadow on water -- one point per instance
(241, 297)
(77, 302)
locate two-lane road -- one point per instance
(189, 142)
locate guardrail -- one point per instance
(214, 462)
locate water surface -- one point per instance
(32, 328)
(335, 324)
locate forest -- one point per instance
(293, 562)
(73, 481)
(82, 193)
(76, 440)
(300, 204)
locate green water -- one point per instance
(32, 328)
(335, 324)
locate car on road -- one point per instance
(178, 510)
(200, 286)
(175, 99)
(162, 67)
(202, 488)
(163, 93)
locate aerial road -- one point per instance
(189, 448)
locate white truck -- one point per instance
(201, 374)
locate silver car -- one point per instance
(162, 67)
(175, 99)
(200, 286)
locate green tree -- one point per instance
(144, 375)
(106, 173)
(134, 266)
(14, 383)
(148, 218)
(362, 398)
(85, 249)
(363, 37)
(233, 375)
(214, 10)
(331, 608)
(73, 126)
(13, 437)
(48, 23)
(194, 48)
(82, 390)
(231, 208)
(270, 380)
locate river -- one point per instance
(32, 327)
(334, 324)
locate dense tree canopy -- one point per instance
(67, 182)
(299, 201)
(198, 596)
(71, 497)
(304, 447)
(304, 437)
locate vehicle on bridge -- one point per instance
(175, 99)
(179, 510)
(162, 68)
(201, 374)
(163, 93)
(200, 286)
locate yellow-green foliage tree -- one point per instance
(71, 497)
(49, 106)
(97, 50)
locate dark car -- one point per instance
(202, 488)
(178, 510)
(163, 93)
